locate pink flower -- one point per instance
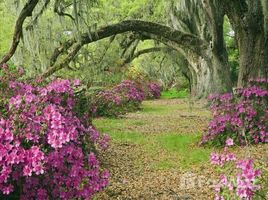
(217, 197)
(8, 189)
(43, 141)
(215, 158)
(229, 142)
(76, 82)
(27, 171)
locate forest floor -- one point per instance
(155, 153)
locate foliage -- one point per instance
(154, 90)
(173, 144)
(124, 97)
(6, 31)
(46, 150)
(107, 103)
(136, 73)
(242, 116)
(233, 54)
(239, 178)
(174, 94)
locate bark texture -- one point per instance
(210, 73)
(250, 20)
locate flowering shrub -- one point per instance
(45, 148)
(154, 91)
(243, 116)
(124, 97)
(130, 90)
(240, 183)
(107, 103)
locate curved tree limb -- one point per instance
(141, 52)
(163, 33)
(65, 62)
(183, 39)
(39, 14)
(60, 10)
(25, 12)
(127, 42)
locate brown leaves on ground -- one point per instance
(130, 164)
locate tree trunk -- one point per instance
(209, 76)
(211, 73)
(253, 49)
(249, 20)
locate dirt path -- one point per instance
(154, 153)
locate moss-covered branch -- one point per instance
(25, 12)
(165, 33)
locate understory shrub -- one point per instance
(46, 149)
(153, 90)
(124, 97)
(242, 115)
(107, 103)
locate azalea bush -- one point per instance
(239, 179)
(138, 76)
(46, 150)
(107, 103)
(124, 97)
(242, 115)
(153, 90)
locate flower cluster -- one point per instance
(130, 90)
(242, 116)
(239, 183)
(154, 90)
(45, 148)
(124, 97)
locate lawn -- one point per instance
(165, 129)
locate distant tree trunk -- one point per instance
(249, 20)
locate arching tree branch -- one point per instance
(65, 62)
(25, 12)
(165, 33)
(38, 15)
(59, 9)
(143, 51)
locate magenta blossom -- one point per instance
(229, 142)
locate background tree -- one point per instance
(59, 36)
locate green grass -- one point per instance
(174, 94)
(182, 148)
(168, 149)
(118, 130)
(148, 108)
(128, 137)
(185, 147)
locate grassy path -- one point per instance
(154, 153)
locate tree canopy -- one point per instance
(221, 41)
